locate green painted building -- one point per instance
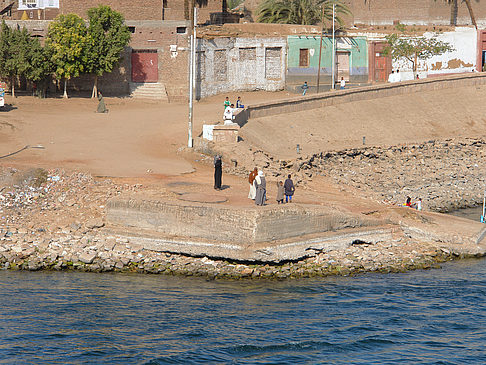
(303, 60)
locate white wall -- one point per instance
(241, 75)
(462, 59)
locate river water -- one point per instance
(420, 317)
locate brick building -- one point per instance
(156, 62)
(132, 10)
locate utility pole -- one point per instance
(333, 66)
(320, 52)
(192, 77)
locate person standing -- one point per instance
(391, 77)
(226, 103)
(101, 104)
(218, 172)
(261, 189)
(342, 83)
(304, 88)
(280, 192)
(289, 189)
(251, 179)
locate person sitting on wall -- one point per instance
(391, 77)
(228, 116)
(238, 103)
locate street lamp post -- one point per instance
(333, 66)
(192, 77)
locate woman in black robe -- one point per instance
(218, 172)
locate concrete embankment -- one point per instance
(58, 221)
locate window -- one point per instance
(131, 29)
(181, 30)
(304, 57)
(220, 65)
(29, 3)
(273, 64)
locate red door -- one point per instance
(380, 69)
(145, 66)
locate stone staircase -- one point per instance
(154, 91)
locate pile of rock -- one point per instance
(96, 252)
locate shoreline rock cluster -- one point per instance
(95, 252)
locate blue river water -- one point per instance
(419, 317)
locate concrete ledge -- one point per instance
(267, 234)
(230, 224)
(315, 101)
(271, 252)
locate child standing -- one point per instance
(227, 103)
(280, 192)
(289, 189)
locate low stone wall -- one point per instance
(301, 103)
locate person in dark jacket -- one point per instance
(218, 172)
(289, 189)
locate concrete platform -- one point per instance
(266, 234)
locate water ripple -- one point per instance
(421, 317)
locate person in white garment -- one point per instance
(342, 83)
(391, 77)
(228, 114)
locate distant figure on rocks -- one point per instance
(226, 103)
(408, 202)
(101, 104)
(418, 204)
(280, 192)
(239, 103)
(261, 189)
(218, 172)
(289, 189)
(251, 180)
(304, 88)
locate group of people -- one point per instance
(416, 204)
(229, 109)
(395, 77)
(258, 188)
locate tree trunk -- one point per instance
(471, 13)
(13, 86)
(453, 12)
(65, 95)
(95, 88)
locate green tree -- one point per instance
(67, 40)
(301, 11)
(41, 67)
(108, 36)
(14, 53)
(414, 48)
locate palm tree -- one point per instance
(454, 8)
(304, 12)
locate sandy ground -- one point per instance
(139, 141)
(393, 120)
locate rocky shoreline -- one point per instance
(53, 220)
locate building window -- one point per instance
(220, 65)
(273, 64)
(29, 3)
(248, 54)
(304, 57)
(181, 30)
(131, 29)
